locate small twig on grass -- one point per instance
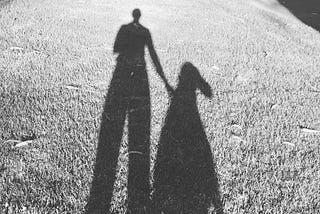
(19, 143)
(25, 140)
(135, 152)
(73, 87)
(289, 144)
(12, 141)
(16, 49)
(309, 131)
(23, 143)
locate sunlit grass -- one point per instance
(56, 62)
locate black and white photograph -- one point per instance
(159, 106)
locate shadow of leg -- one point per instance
(139, 148)
(110, 137)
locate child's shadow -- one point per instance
(185, 178)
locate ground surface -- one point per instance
(307, 11)
(263, 121)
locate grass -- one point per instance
(263, 66)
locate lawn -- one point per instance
(262, 121)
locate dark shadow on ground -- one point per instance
(308, 11)
(128, 95)
(185, 178)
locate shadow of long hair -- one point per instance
(185, 178)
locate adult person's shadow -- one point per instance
(128, 95)
(185, 180)
(308, 11)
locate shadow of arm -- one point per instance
(204, 87)
(156, 62)
(119, 44)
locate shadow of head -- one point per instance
(191, 80)
(136, 14)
